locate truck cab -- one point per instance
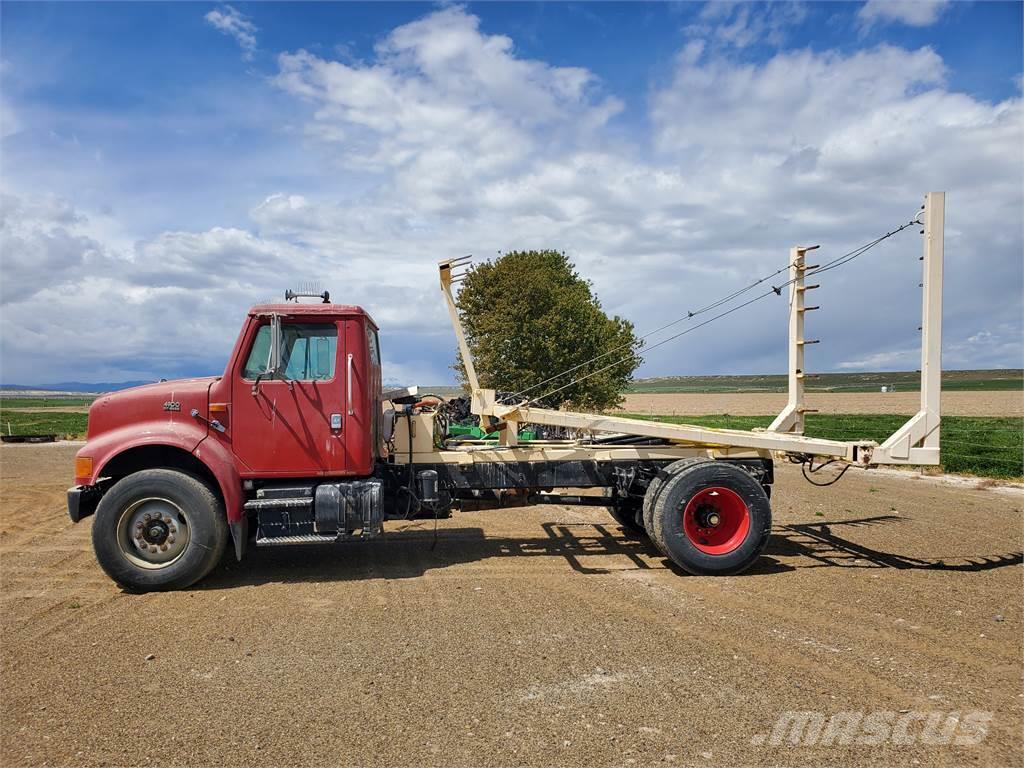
(318, 415)
(170, 468)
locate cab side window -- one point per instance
(259, 355)
(308, 351)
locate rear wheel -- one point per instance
(654, 489)
(712, 519)
(159, 529)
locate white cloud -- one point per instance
(164, 303)
(231, 22)
(743, 24)
(1001, 347)
(750, 159)
(447, 142)
(914, 13)
(444, 107)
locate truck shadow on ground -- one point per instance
(826, 547)
(588, 547)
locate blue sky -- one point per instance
(164, 165)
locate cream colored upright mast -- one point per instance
(917, 441)
(791, 419)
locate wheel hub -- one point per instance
(707, 516)
(153, 532)
(156, 533)
(716, 520)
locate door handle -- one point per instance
(348, 387)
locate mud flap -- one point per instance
(240, 535)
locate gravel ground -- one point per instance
(538, 636)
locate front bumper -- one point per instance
(82, 501)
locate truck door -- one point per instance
(291, 427)
(362, 395)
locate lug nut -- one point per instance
(139, 525)
(152, 547)
(170, 539)
(167, 519)
(163, 547)
(147, 517)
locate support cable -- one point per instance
(688, 316)
(839, 261)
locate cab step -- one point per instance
(310, 538)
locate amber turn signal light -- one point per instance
(83, 468)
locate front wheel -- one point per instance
(712, 519)
(159, 529)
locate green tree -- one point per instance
(528, 316)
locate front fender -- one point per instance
(189, 439)
(221, 463)
(106, 446)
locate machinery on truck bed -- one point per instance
(296, 443)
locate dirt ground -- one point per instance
(1008, 403)
(538, 636)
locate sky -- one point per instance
(164, 166)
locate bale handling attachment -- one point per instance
(916, 442)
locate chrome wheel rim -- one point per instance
(153, 533)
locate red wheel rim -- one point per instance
(716, 520)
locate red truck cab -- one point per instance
(320, 416)
(299, 400)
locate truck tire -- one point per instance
(654, 488)
(712, 519)
(626, 512)
(159, 529)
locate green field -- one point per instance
(971, 445)
(66, 425)
(905, 381)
